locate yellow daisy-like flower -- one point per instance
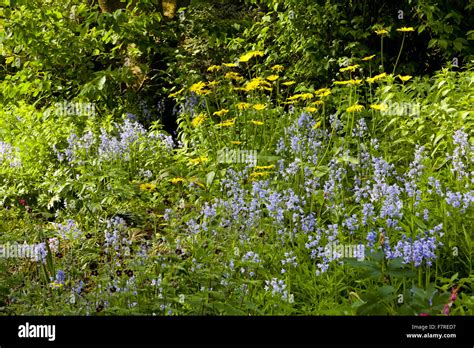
(255, 83)
(369, 57)
(198, 160)
(311, 109)
(355, 108)
(233, 76)
(257, 123)
(226, 123)
(198, 120)
(259, 107)
(348, 82)
(405, 29)
(243, 106)
(288, 83)
(256, 175)
(306, 96)
(278, 68)
(271, 166)
(150, 187)
(317, 102)
(175, 94)
(381, 32)
(317, 125)
(303, 96)
(212, 83)
(350, 68)
(323, 92)
(404, 78)
(236, 142)
(230, 65)
(213, 68)
(249, 55)
(221, 112)
(376, 77)
(273, 77)
(197, 86)
(177, 180)
(378, 107)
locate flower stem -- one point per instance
(399, 53)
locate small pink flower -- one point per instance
(446, 309)
(454, 294)
(22, 201)
(423, 315)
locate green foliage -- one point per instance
(299, 132)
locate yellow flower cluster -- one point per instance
(257, 123)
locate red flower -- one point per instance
(22, 201)
(423, 315)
